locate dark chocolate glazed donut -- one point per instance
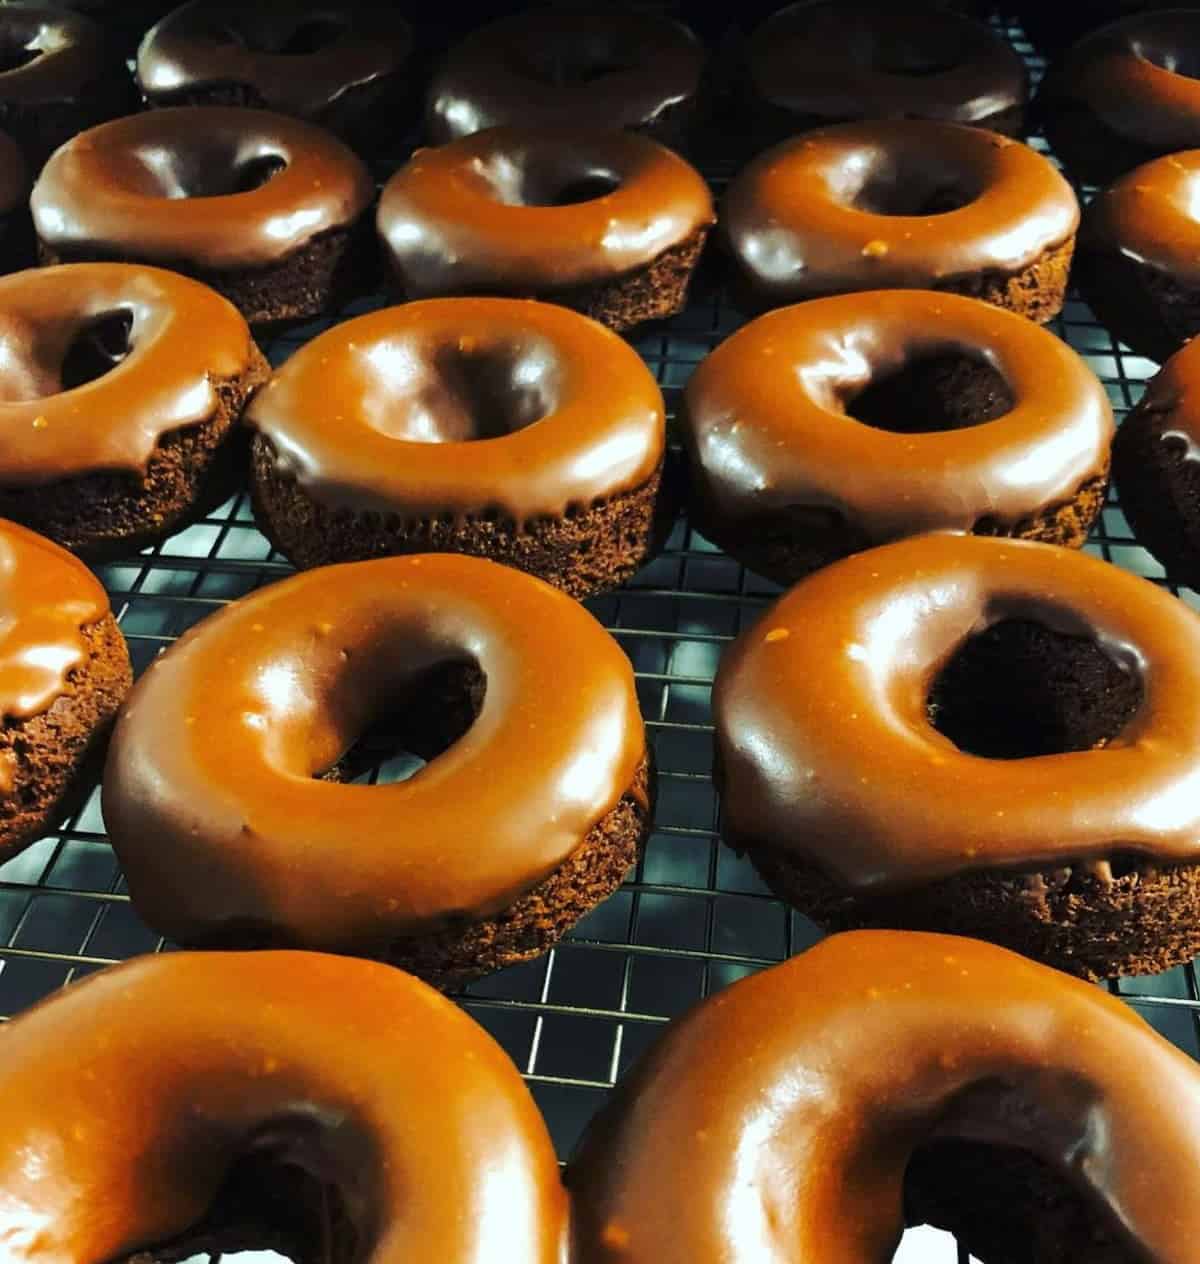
(596, 67)
(775, 1122)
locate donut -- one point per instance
(268, 210)
(64, 671)
(822, 429)
(808, 1111)
(120, 392)
(530, 811)
(1125, 94)
(834, 61)
(596, 66)
(520, 432)
(57, 77)
(1155, 464)
(339, 66)
(901, 203)
(990, 737)
(317, 1106)
(1053, 28)
(609, 223)
(1139, 255)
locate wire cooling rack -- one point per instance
(691, 919)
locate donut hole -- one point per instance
(533, 178)
(561, 64)
(1020, 689)
(902, 183)
(96, 349)
(914, 60)
(213, 169)
(944, 390)
(308, 37)
(1183, 61)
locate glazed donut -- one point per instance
(516, 431)
(989, 737)
(175, 1089)
(822, 429)
(598, 67)
(902, 204)
(261, 207)
(831, 61)
(226, 836)
(1139, 256)
(1125, 94)
(120, 392)
(1036, 1116)
(335, 64)
(607, 222)
(64, 671)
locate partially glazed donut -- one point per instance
(225, 832)
(597, 67)
(980, 421)
(987, 736)
(176, 1075)
(776, 1121)
(902, 203)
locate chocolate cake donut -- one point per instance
(64, 671)
(1156, 462)
(902, 203)
(825, 428)
(989, 737)
(328, 1109)
(515, 431)
(880, 1078)
(1125, 94)
(594, 67)
(831, 61)
(1139, 255)
(338, 64)
(228, 832)
(268, 210)
(120, 393)
(609, 223)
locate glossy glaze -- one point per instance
(809, 217)
(72, 55)
(159, 186)
(767, 429)
(210, 796)
(137, 1088)
(1172, 396)
(182, 336)
(774, 1122)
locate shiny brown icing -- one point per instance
(14, 175)
(182, 337)
(855, 60)
(72, 55)
(598, 67)
(481, 213)
(1173, 397)
(811, 216)
(1137, 75)
(135, 1090)
(205, 44)
(391, 411)
(767, 430)
(47, 598)
(827, 749)
(1150, 216)
(210, 797)
(775, 1121)
(161, 186)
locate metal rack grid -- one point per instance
(691, 919)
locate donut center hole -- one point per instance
(562, 65)
(309, 37)
(561, 181)
(207, 172)
(1178, 61)
(96, 349)
(911, 61)
(946, 390)
(903, 184)
(1020, 689)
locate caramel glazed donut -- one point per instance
(528, 813)
(990, 737)
(819, 430)
(329, 1109)
(1037, 1117)
(511, 430)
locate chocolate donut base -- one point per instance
(1146, 309)
(47, 751)
(320, 276)
(190, 471)
(582, 553)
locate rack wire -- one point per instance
(691, 919)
